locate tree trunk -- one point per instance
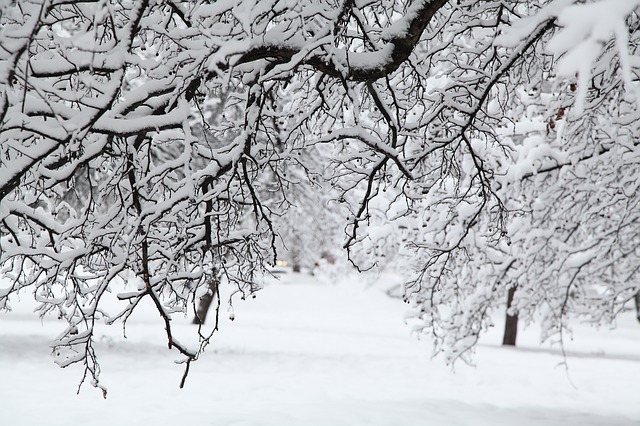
(511, 322)
(296, 255)
(206, 300)
(637, 297)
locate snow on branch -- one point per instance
(160, 150)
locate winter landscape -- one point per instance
(308, 351)
(456, 178)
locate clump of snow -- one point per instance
(587, 27)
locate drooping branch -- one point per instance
(398, 45)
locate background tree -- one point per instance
(415, 113)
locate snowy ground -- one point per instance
(306, 352)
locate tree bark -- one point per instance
(206, 300)
(511, 322)
(637, 298)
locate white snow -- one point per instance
(586, 29)
(314, 352)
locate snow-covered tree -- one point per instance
(158, 142)
(556, 144)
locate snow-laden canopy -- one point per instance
(480, 147)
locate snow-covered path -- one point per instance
(310, 353)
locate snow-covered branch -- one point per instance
(165, 146)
